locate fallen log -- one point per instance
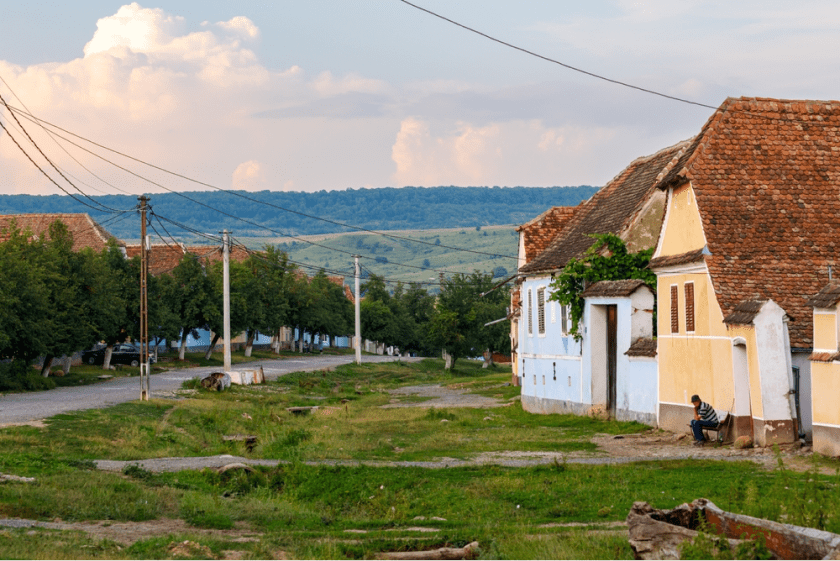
(659, 534)
(467, 552)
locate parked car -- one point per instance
(124, 353)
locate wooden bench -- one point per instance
(721, 429)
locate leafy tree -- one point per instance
(606, 259)
(25, 314)
(195, 298)
(378, 322)
(276, 276)
(458, 325)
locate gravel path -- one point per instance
(29, 407)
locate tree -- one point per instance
(195, 298)
(276, 276)
(458, 326)
(607, 259)
(25, 316)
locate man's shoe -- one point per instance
(699, 442)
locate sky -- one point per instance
(325, 95)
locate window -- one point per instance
(530, 314)
(541, 310)
(689, 307)
(675, 310)
(553, 311)
(564, 319)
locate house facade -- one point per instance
(825, 370)
(750, 233)
(610, 368)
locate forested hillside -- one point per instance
(270, 213)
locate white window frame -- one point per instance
(530, 308)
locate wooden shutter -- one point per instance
(541, 310)
(689, 306)
(675, 310)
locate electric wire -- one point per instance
(554, 61)
(245, 220)
(49, 161)
(50, 134)
(238, 194)
(12, 138)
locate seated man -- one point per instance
(704, 416)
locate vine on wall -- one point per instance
(592, 267)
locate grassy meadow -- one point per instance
(304, 507)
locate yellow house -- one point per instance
(750, 230)
(825, 370)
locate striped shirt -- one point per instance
(707, 413)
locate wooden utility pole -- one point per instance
(145, 388)
(358, 337)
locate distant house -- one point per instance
(87, 233)
(752, 231)
(825, 370)
(598, 373)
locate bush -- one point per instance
(16, 376)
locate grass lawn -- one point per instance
(301, 510)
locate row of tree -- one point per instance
(453, 322)
(55, 301)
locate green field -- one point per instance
(488, 248)
(306, 506)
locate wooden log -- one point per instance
(467, 552)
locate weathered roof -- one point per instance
(621, 288)
(824, 357)
(540, 231)
(695, 256)
(744, 313)
(766, 176)
(162, 258)
(86, 231)
(642, 347)
(610, 210)
(827, 297)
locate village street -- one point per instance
(28, 407)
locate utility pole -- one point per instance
(226, 297)
(145, 387)
(358, 337)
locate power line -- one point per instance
(9, 134)
(245, 220)
(241, 195)
(50, 134)
(554, 61)
(12, 113)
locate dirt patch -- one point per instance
(443, 397)
(126, 533)
(657, 444)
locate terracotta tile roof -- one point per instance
(824, 357)
(163, 258)
(682, 259)
(766, 175)
(744, 313)
(540, 231)
(642, 347)
(827, 297)
(610, 210)
(86, 231)
(613, 288)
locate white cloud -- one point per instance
(503, 153)
(249, 176)
(241, 25)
